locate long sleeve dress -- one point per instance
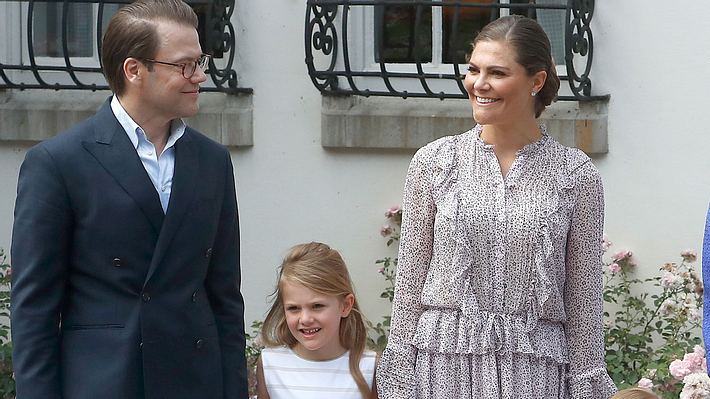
(499, 282)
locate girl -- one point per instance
(635, 393)
(314, 332)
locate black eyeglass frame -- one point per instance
(202, 63)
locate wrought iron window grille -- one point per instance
(330, 66)
(217, 38)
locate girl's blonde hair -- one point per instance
(321, 269)
(635, 393)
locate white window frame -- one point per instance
(93, 60)
(15, 50)
(361, 27)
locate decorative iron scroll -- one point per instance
(62, 71)
(333, 71)
(578, 40)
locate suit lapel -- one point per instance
(115, 152)
(182, 192)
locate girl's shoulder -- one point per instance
(276, 349)
(270, 353)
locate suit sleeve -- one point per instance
(223, 290)
(40, 253)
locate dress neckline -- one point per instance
(527, 148)
(346, 353)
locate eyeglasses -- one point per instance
(188, 68)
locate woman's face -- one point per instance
(499, 88)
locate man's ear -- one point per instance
(133, 70)
(347, 304)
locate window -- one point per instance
(418, 48)
(56, 44)
(442, 34)
(50, 21)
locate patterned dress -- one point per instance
(499, 282)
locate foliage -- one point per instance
(253, 351)
(7, 382)
(388, 268)
(657, 320)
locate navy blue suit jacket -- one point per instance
(112, 298)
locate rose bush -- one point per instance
(653, 336)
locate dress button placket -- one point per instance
(500, 247)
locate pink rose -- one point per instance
(671, 280)
(614, 267)
(699, 350)
(392, 211)
(621, 255)
(689, 255)
(386, 230)
(693, 361)
(645, 383)
(678, 369)
(605, 243)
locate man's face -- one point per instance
(166, 93)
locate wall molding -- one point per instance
(36, 115)
(388, 122)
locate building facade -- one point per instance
(324, 164)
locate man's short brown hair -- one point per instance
(132, 33)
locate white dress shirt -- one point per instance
(160, 167)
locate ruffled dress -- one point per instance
(499, 282)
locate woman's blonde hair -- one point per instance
(321, 269)
(635, 393)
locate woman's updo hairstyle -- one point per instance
(532, 48)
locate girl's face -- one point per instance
(314, 320)
(499, 88)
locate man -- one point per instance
(125, 243)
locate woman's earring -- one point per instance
(534, 93)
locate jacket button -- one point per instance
(199, 343)
(194, 296)
(117, 262)
(145, 297)
(208, 253)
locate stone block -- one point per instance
(36, 115)
(384, 122)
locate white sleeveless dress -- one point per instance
(289, 376)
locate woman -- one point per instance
(499, 281)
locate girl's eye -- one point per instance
(291, 308)
(318, 306)
(472, 69)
